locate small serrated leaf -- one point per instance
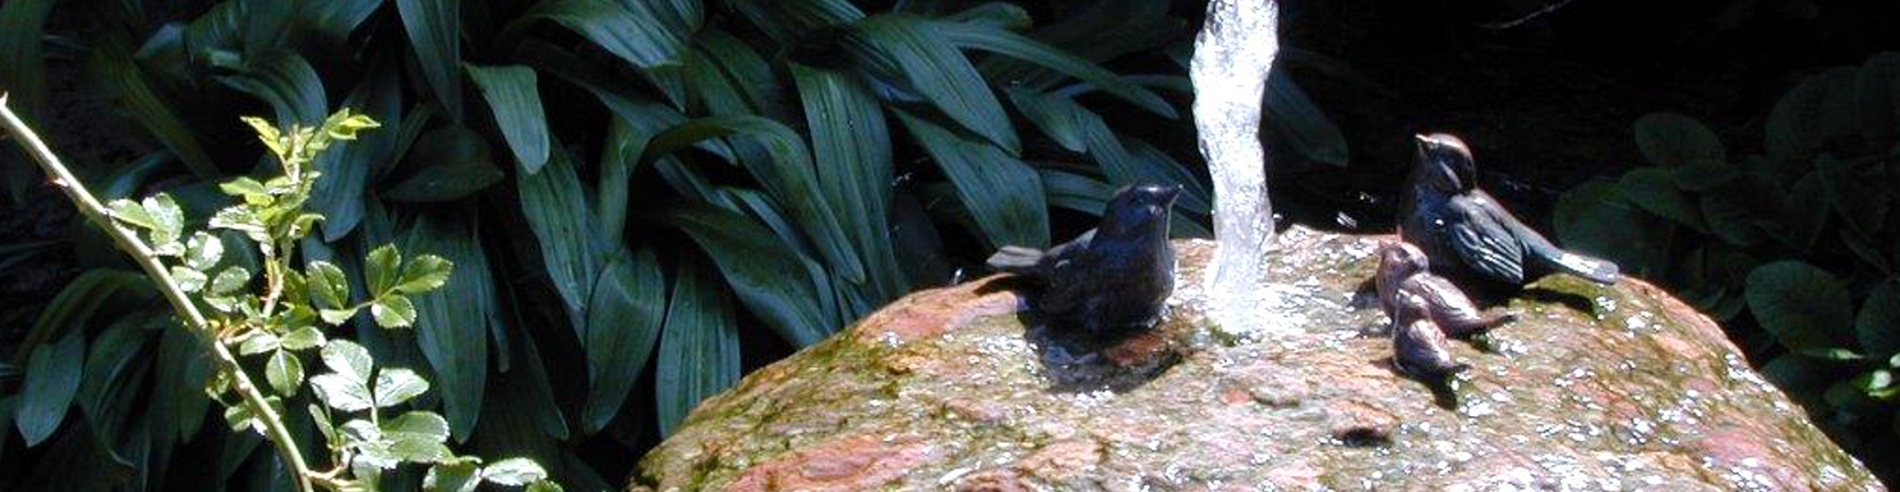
(252, 191)
(514, 472)
(381, 269)
(423, 274)
(395, 386)
(284, 372)
(229, 281)
(189, 280)
(131, 213)
(258, 342)
(348, 359)
(336, 316)
(168, 220)
(393, 311)
(452, 477)
(203, 251)
(340, 392)
(327, 285)
(305, 338)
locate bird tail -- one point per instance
(1596, 270)
(1015, 259)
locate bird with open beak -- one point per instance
(1114, 278)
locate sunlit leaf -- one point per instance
(284, 372)
(514, 472)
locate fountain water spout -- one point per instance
(1232, 54)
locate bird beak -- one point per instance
(1169, 193)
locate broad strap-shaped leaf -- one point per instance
(287, 83)
(1058, 115)
(1803, 306)
(346, 167)
(699, 352)
(997, 40)
(22, 66)
(623, 323)
(557, 211)
(452, 323)
(848, 134)
(52, 379)
(1097, 31)
(770, 280)
(631, 30)
(1003, 194)
(789, 176)
(512, 95)
(336, 19)
(912, 52)
(434, 28)
(447, 163)
(112, 59)
(785, 21)
(1299, 125)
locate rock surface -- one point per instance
(1594, 388)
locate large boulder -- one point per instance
(1594, 388)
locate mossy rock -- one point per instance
(1593, 388)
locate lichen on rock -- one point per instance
(1593, 388)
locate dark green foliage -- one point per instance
(1793, 249)
(607, 176)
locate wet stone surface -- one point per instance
(1594, 388)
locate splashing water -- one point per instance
(1232, 55)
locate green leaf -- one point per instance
(1856, 198)
(382, 267)
(203, 251)
(511, 92)
(849, 135)
(1735, 208)
(514, 472)
(393, 311)
(346, 171)
(452, 477)
(1670, 139)
(229, 281)
(1878, 325)
(337, 316)
(285, 81)
(1820, 108)
(1802, 306)
(623, 323)
(453, 323)
(418, 451)
(349, 360)
(1003, 194)
(434, 28)
(1598, 219)
(449, 163)
(284, 372)
(52, 379)
(896, 45)
(769, 279)
(189, 280)
(630, 30)
(244, 187)
(1299, 125)
(543, 486)
(423, 274)
(1087, 195)
(258, 342)
(995, 39)
(22, 61)
(394, 386)
(790, 178)
(131, 213)
(340, 393)
(1878, 99)
(786, 21)
(112, 61)
(305, 338)
(555, 205)
(699, 351)
(327, 285)
(1122, 165)
(1654, 189)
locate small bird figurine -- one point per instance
(1418, 344)
(1405, 271)
(1114, 277)
(1468, 233)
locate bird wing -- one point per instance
(1485, 241)
(1067, 264)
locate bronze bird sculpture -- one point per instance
(1404, 271)
(1468, 234)
(1418, 344)
(1112, 278)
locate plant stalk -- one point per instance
(274, 428)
